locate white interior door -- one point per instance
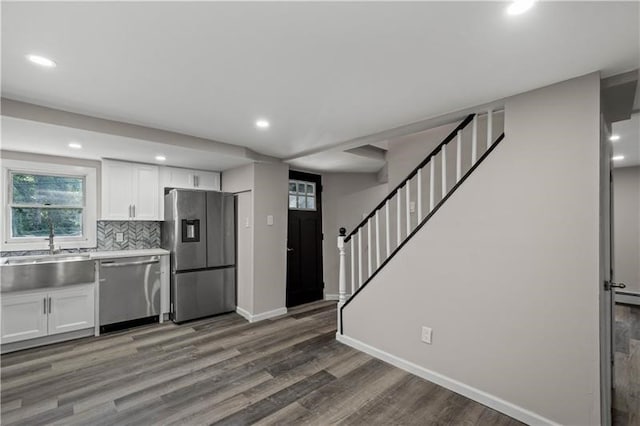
(24, 316)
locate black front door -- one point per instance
(304, 240)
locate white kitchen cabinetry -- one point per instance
(71, 309)
(174, 177)
(130, 191)
(32, 314)
(24, 316)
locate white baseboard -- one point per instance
(477, 395)
(329, 296)
(244, 313)
(262, 316)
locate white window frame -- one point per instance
(90, 209)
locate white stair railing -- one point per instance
(365, 245)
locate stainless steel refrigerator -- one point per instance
(199, 231)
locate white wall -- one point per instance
(507, 272)
(345, 198)
(244, 260)
(626, 222)
(262, 192)
(270, 241)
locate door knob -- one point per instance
(608, 285)
(289, 249)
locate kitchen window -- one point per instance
(38, 200)
(302, 195)
(42, 194)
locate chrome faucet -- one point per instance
(52, 247)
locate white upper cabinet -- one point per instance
(117, 190)
(130, 191)
(173, 177)
(146, 203)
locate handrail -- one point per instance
(423, 163)
(417, 228)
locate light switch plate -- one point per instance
(119, 237)
(426, 335)
(270, 220)
(412, 207)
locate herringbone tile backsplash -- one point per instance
(137, 235)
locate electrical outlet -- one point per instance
(426, 335)
(246, 222)
(412, 207)
(270, 220)
(119, 237)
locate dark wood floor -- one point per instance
(223, 370)
(626, 394)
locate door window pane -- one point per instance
(311, 203)
(292, 202)
(301, 187)
(292, 187)
(310, 188)
(301, 202)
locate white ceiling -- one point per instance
(321, 72)
(43, 138)
(337, 161)
(629, 143)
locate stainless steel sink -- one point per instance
(25, 260)
(33, 272)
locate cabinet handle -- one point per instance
(134, 210)
(49, 305)
(129, 210)
(45, 306)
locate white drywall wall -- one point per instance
(507, 271)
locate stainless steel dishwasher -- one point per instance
(129, 289)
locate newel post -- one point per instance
(342, 274)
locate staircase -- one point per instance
(409, 206)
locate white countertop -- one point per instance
(112, 254)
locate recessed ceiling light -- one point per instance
(41, 60)
(617, 157)
(518, 7)
(614, 138)
(262, 124)
(75, 145)
(160, 158)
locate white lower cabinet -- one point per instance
(46, 312)
(71, 309)
(24, 316)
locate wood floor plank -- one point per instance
(286, 370)
(275, 402)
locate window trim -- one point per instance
(89, 174)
